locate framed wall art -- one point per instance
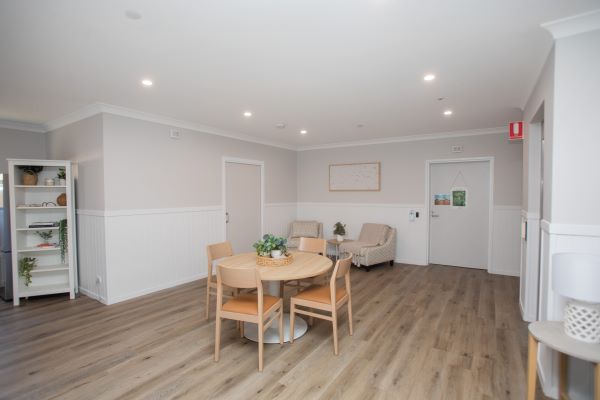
(355, 177)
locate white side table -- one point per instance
(552, 334)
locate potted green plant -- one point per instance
(271, 245)
(26, 264)
(62, 177)
(30, 174)
(62, 239)
(339, 230)
(46, 236)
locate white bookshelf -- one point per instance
(52, 274)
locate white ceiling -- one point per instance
(321, 65)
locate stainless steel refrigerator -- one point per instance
(6, 289)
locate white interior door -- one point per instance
(458, 235)
(243, 205)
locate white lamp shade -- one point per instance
(577, 276)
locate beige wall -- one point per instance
(403, 169)
(20, 144)
(81, 142)
(146, 169)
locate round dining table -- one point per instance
(304, 265)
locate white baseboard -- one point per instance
(168, 285)
(93, 295)
(504, 271)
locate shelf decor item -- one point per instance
(26, 264)
(45, 235)
(62, 177)
(49, 182)
(63, 239)
(62, 200)
(30, 174)
(576, 277)
(339, 230)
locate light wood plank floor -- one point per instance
(420, 333)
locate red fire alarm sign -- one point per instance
(515, 131)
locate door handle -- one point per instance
(434, 215)
(226, 217)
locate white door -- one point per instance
(243, 205)
(458, 235)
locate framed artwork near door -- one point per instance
(459, 197)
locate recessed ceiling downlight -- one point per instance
(448, 112)
(247, 114)
(147, 82)
(429, 77)
(303, 132)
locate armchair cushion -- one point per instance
(305, 229)
(374, 234)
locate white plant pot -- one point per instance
(62, 182)
(276, 253)
(340, 238)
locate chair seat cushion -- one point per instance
(320, 294)
(248, 304)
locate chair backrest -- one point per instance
(341, 270)
(313, 245)
(374, 233)
(342, 267)
(306, 228)
(242, 278)
(216, 251)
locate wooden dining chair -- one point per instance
(327, 298)
(215, 252)
(256, 308)
(308, 245)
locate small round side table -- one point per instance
(552, 334)
(337, 243)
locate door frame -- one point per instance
(235, 160)
(428, 164)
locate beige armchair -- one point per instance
(298, 229)
(376, 244)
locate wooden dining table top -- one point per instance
(304, 265)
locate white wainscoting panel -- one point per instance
(506, 241)
(279, 216)
(91, 254)
(150, 250)
(411, 239)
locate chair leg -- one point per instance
(281, 325)
(292, 320)
(335, 335)
(207, 312)
(350, 317)
(391, 263)
(260, 346)
(217, 337)
(241, 329)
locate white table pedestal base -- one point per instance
(272, 334)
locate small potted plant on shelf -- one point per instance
(271, 245)
(26, 264)
(339, 230)
(62, 177)
(30, 174)
(46, 236)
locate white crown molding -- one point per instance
(22, 126)
(98, 108)
(409, 138)
(581, 23)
